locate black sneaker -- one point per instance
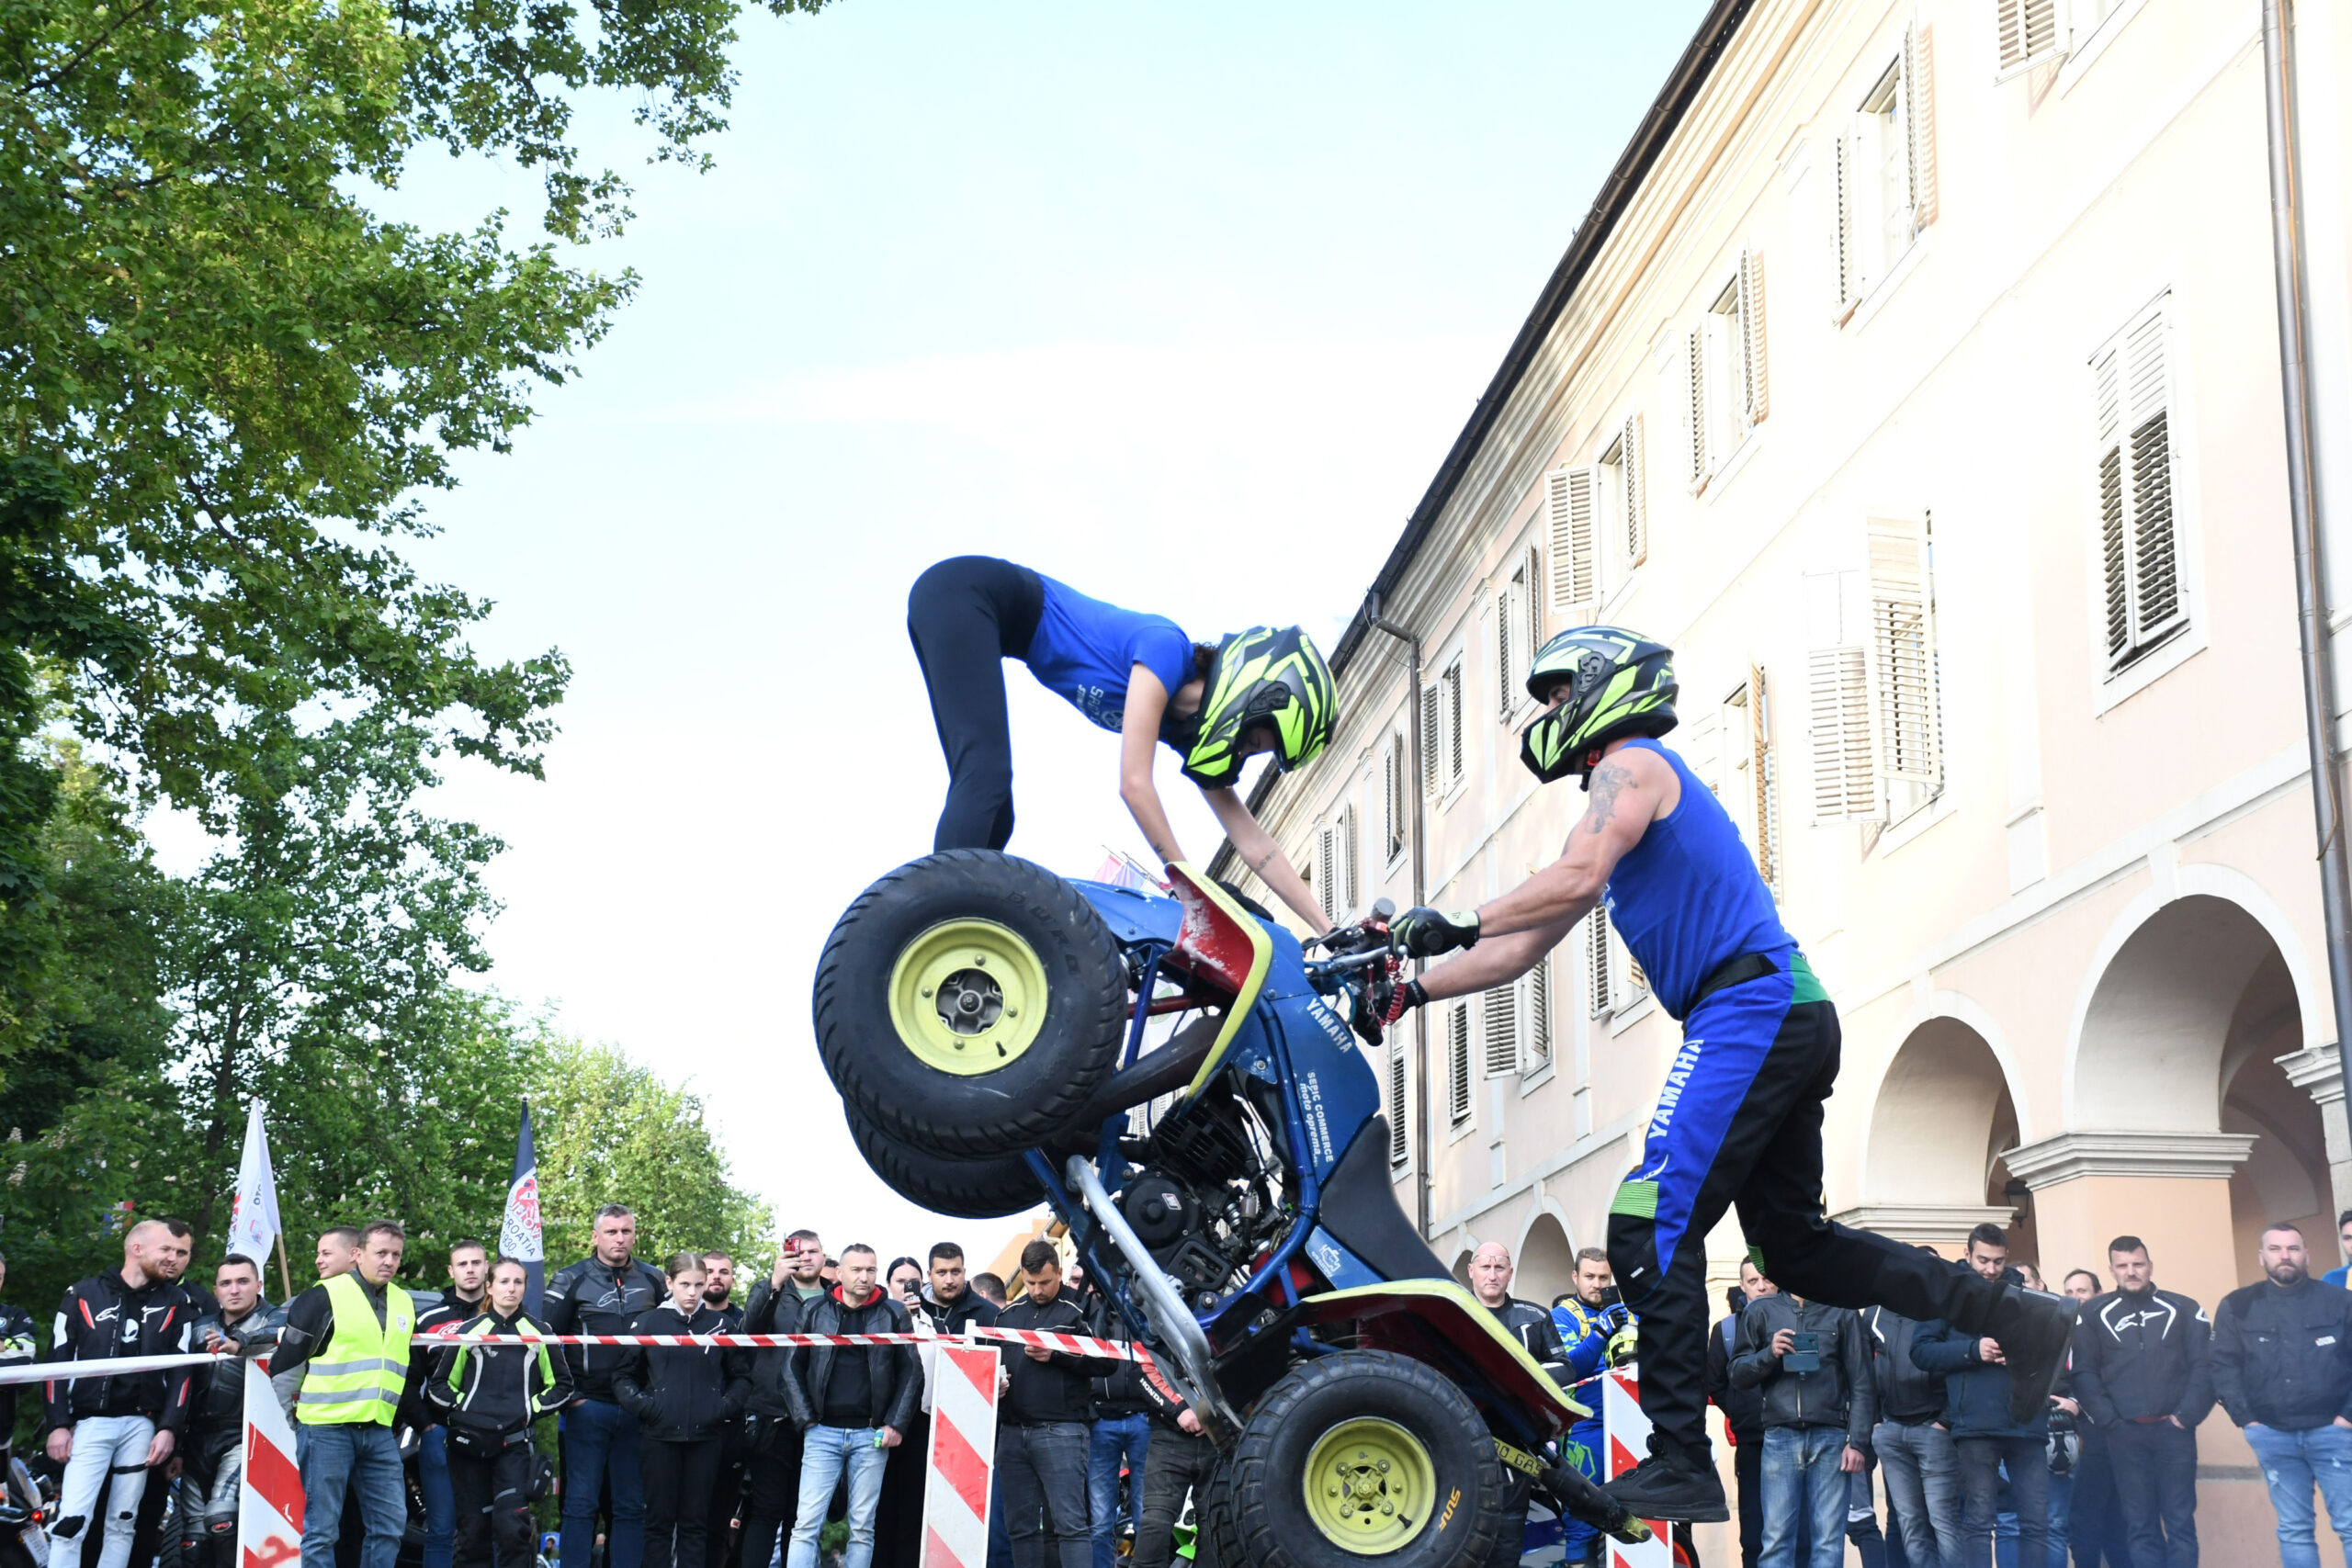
(2033, 1331)
(1664, 1487)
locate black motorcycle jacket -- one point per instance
(1531, 1327)
(1060, 1388)
(2282, 1354)
(681, 1393)
(1908, 1395)
(770, 1311)
(590, 1298)
(101, 1318)
(893, 1375)
(965, 1310)
(217, 1394)
(1839, 1394)
(494, 1390)
(2142, 1356)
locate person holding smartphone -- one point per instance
(1808, 1363)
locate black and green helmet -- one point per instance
(1622, 683)
(1269, 675)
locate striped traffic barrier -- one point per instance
(1625, 1436)
(963, 1457)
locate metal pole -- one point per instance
(2311, 584)
(1422, 1177)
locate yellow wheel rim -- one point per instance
(1371, 1487)
(967, 997)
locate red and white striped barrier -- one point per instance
(963, 1457)
(269, 1507)
(46, 1371)
(1068, 1344)
(1625, 1438)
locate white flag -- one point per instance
(253, 1216)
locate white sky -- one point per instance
(1182, 304)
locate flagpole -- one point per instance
(284, 1277)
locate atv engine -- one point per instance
(1209, 1201)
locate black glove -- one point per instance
(1425, 932)
(1381, 1002)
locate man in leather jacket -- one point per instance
(2143, 1376)
(1490, 1275)
(2282, 1368)
(212, 1463)
(602, 1293)
(1808, 1360)
(853, 1403)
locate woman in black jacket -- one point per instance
(681, 1396)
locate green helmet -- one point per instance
(1269, 675)
(1622, 683)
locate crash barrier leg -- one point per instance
(1625, 1438)
(963, 1457)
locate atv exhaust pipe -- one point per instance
(1169, 1316)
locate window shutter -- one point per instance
(1501, 1008)
(1843, 158)
(2026, 33)
(1903, 645)
(1433, 736)
(1698, 357)
(1596, 949)
(1637, 523)
(1453, 756)
(1399, 1148)
(1508, 668)
(1919, 121)
(1392, 799)
(1768, 814)
(1539, 1014)
(2114, 545)
(1843, 786)
(1754, 400)
(1327, 881)
(1531, 610)
(1637, 985)
(1458, 1062)
(1568, 499)
(1348, 893)
(2138, 543)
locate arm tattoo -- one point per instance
(1607, 780)
(1263, 861)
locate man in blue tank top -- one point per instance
(1738, 1122)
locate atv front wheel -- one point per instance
(971, 1003)
(1366, 1454)
(987, 1188)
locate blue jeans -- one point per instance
(1923, 1491)
(1043, 1468)
(600, 1450)
(2293, 1463)
(1802, 1480)
(340, 1457)
(440, 1502)
(825, 1453)
(1116, 1437)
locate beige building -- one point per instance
(1917, 379)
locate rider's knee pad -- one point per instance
(67, 1528)
(1632, 1245)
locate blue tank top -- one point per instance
(1084, 649)
(1688, 898)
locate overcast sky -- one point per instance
(1181, 304)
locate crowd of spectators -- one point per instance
(1815, 1397)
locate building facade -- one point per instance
(1918, 380)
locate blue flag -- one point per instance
(518, 1233)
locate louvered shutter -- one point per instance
(2025, 34)
(1842, 157)
(1458, 1062)
(1399, 1148)
(1567, 503)
(1597, 988)
(1768, 814)
(1697, 356)
(1920, 120)
(1452, 684)
(1636, 486)
(1538, 1034)
(1755, 402)
(1392, 799)
(1508, 669)
(1501, 1023)
(1903, 646)
(1433, 738)
(1531, 610)
(1327, 881)
(1637, 984)
(2114, 541)
(1843, 786)
(2139, 546)
(1346, 847)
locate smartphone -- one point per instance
(1804, 1352)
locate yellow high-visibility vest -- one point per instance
(357, 1375)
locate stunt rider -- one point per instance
(1738, 1123)
(1261, 689)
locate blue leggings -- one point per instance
(1738, 1125)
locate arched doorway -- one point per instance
(1548, 1262)
(2285, 1178)
(1943, 1117)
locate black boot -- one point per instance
(1674, 1485)
(2033, 1330)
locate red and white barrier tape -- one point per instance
(119, 1366)
(1068, 1344)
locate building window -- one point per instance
(1399, 1147)
(1518, 630)
(1535, 1010)
(1727, 374)
(1500, 1008)
(1394, 801)
(1335, 863)
(1457, 1063)
(1885, 172)
(2027, 33)
(1750, 789)
(1600, 971)
(1443, 762)
(1620, 492)
(1903, 652)
(1570, 517)
(2146, 600)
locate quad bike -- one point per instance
(992, 1030)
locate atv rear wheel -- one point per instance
(987, 1187)
(1362, 1454)
(969, 1003)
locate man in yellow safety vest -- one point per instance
(341, 1364)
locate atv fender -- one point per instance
(1437, 1321)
